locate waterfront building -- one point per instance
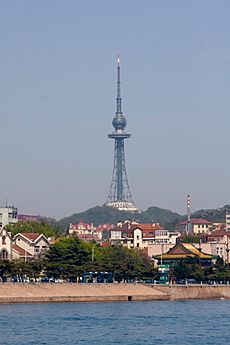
(20, 253)
(119, 194)
(198, 226)
(5, 245)
(218, 243)
(158, 249)
(227, 221)
(84, 231)
(81, 229)
(8, 215)
(184, 251)
(30, 245)
(135, 235)
(89, 232)
(28, 218)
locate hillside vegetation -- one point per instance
(102, 215)
(213, 215)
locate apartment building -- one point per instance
(199, 226)
(135, 235)
(227, 221)
(8, 215)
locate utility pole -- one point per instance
(227, 250)
(189, 225)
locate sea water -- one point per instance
(157, 322)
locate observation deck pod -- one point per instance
(117, 135)
(123, 206)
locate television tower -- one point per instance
(119, 194)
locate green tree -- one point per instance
(127, 264)
(36, 227)
(68, 258)
(190, 239)
(5, 269)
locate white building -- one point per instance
(227, 221)
(88, 231)
(29, 245)
(5, 245)
(8, 215)
(134, 235)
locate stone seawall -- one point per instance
(67, 292)
(196, 291)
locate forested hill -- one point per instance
(213, 215)
(102, 214)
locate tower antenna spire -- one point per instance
(118, 99)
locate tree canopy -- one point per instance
(30, 226)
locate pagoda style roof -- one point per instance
(183, 251)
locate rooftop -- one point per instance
(196, 221)
(20, 251)
(30, 235)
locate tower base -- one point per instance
(123, 206)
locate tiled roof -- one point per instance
(196, 221)
(219, 233)
(30, 235)
(27, 217)
(193, 250)
(183, 250)
(87, 236)
(144, 227)
(149, 227)
(20, 251)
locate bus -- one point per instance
(97, 277)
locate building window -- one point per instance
(138, 244)
(138, 237)
(4, 255)
(4, 240)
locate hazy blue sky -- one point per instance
(57, 101)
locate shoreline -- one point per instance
(71, 292)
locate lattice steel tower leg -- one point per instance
(119, 194)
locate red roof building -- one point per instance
(134, 235)
(88, 231)
(199, 226)
(32, 245)
(218, 235)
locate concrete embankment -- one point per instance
(196, 291)
(67, 292)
